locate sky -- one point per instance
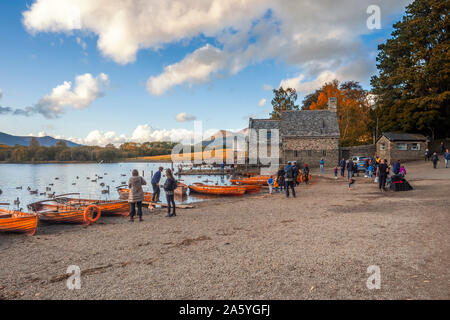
(111, 71)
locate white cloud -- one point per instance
(82, 43)
(304, 33)
(85, 91)
(262, 102)
(1, 93)
(194, 68)
(267, 87)
(184, 117)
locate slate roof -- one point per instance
(263, 124)
(398, 136)
(309, 123)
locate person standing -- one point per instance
(322, 165)
(342, 165)
(435, 160)
(289, 180)
(169, 187)
(155, 185)
(306, 173)
(335, 171)
(370, 170)
(350, 169)
(442, 147)
(296, 172)
(280, 178)
(396, 167)
(383, 171)
(427, 155)
(270, 183)
(136, 195)
(446, 157)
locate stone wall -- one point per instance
(364, 150)
(311, 150)
(392, 153)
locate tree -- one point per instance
(353, 110)
(61, 144)
(283, 100)
(413, 86)
(34, 144)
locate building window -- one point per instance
(415, 146)
(269, 135)
(324, 153)
(382, 146)
(402, 146)
(296, 154)
(309, 153)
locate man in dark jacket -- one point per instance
(155, 185)
(342, 165)
(383, 170)
(280, 178)
(350, 169)
(289, 180)
(435, 160)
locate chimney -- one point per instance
(332, 104)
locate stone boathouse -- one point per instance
(305, 136)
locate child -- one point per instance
(275, 185)
(270, 183)
(335, 170)
(402, 171)
(351, 182)
(370, 170)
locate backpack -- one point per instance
(290, 173)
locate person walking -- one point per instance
(169, 187)
(342, 166)
(289, 180)
(280, 177)
(136, 195)
(427, 155)
(383, 171)
(446, 157)
(350, 169)
(370, 169)
(435, 160)
(335, 171)
(322, 165)
(155, 185)
(270, 184)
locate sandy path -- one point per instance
(317, 246)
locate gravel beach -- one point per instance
(316, 246)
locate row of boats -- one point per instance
(67, 208)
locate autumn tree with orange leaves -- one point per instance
(353, 110)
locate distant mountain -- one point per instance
(46, 141)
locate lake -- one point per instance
(64, 180)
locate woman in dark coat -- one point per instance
(136, 195)
(169, 187)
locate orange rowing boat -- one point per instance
(217, 190)
(17, 221)
(124, 193)
(250, 181)
(252, 188)
(52, 211)
(107, 207)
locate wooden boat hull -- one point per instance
(218, 190)
(16, 221)
(54, 212)
(108, 207)
(252, 188)
(124, 193)
(260, 182)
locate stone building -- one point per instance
(401, 146)
(305, 136)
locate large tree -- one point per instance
(284, 100)
(413, 85)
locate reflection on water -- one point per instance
(34, 182)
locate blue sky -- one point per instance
(239, 57)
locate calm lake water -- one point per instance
(64, 180)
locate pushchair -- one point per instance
(398, 183)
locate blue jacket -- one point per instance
(322, 161)
(447, 155)
(156, 177)
(396, 167)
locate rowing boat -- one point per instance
(251, 188)
(125, 192)
(17, 221)
(250, 181)
(107, 207)
(217, 190)
(54, 212)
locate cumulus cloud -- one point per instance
(262, 102)
(86, 90)
(195, 68)
(303, 33)
(184, 117)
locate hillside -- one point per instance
(47, 141)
